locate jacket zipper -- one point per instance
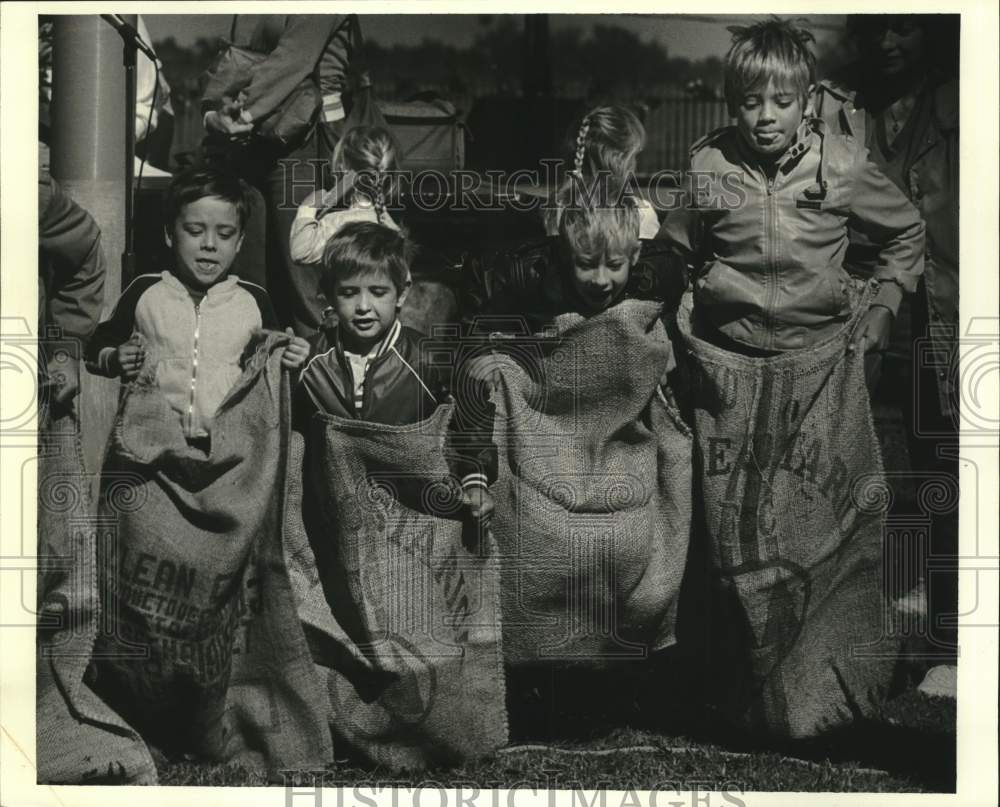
(770, 235)
(194, 367)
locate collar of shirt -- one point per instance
(220, 288)
(383, 346)
(359, 364)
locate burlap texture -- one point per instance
(202, 650)
(398, 595)
(79, 739)
(593, 496)
(790, 479)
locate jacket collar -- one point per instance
(805, 137)
(220, 289)
(379, 351)
(943, 95)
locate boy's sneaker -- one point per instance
(940, 682)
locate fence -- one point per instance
(672, 125)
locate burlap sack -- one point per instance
(593, 496)
(789, 471)
(79, 739)
(400, 601)
(201, 648)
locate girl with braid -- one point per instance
(363, 164)
(604, 151)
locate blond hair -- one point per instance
(773, 49)
(588, 234)
(604, 148)
(370, 152)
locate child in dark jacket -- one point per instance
(368, 366)
(597, 261)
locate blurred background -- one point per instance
(500, 71)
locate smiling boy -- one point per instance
(192, 323)
(769, 273)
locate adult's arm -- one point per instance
(295, 57)
(70, 240)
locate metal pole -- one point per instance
(88, 141)
(128, 58)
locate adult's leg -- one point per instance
(245, 161)
(292, 178)
(251, 262)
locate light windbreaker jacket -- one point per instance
(196, 347)
(768, 254)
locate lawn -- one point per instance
(910, 749)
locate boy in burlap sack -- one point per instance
(195, 320)
(778, 332)
(394, 569)
(199, 647)
(593, 491)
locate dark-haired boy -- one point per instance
(193, 322)
(368, 366)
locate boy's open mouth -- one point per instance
(363, 324)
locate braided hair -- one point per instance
(604, 146)
(370, 152)
(581, 145)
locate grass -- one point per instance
(911, 749)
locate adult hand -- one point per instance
(873, 331)
(227, 124)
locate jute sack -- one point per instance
(202, 650)
(593, 496)
(399, 599)
(790, 481)
(78, 738)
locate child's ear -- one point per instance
(402, 295)
(167, 237)
(239, 242)
(809, 110)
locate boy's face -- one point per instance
(206, 237)
(366, 307)
(769, 117)
(600, 282)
